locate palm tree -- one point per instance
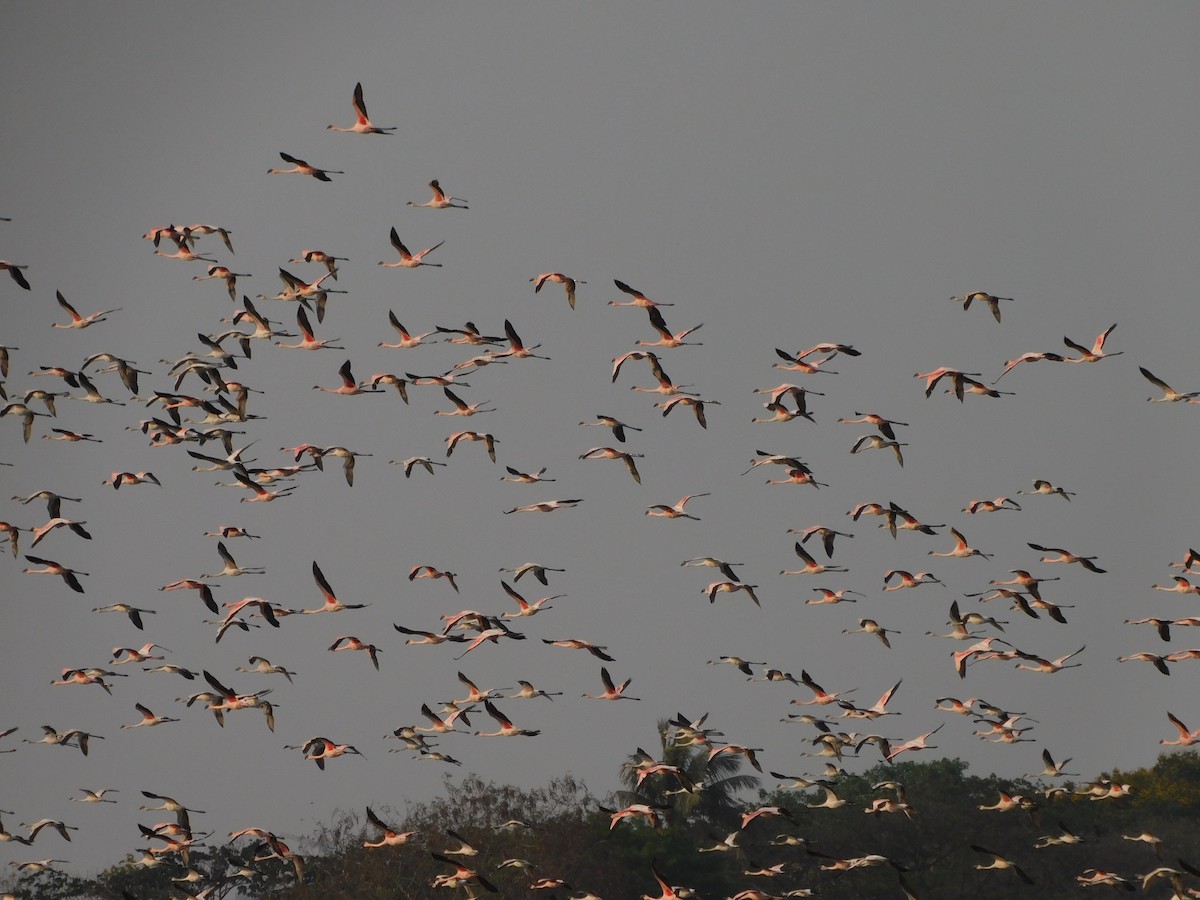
(708, 790)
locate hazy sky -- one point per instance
(783, 173)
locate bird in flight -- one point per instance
(362, 123)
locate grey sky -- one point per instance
(783, 173)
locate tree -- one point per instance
(717, 783)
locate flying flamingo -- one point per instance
(1095, 353)
(391, 837)
(308, 341)
(567, 282)
(506, 729)
(78, 321)
(15, 271)
(362, 124)
(992, 302)
(661, 510)
(332, 603)
(225, 274)
(349, 642)
(440, 199)
(612, 691)
(408, 260)
(1170, 395)
(1065, 556)
(639, 299)
(53, 568)
(300, 167)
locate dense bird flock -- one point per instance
(206, 411)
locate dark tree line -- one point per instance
(920, 842)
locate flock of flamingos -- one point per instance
(201, 406)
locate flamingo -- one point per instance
(1010, 364)
(694, 402)
(413, 461)
(1096, 352)
(391, 837)
(907, 579)
(1000, 862)
(407, 340)
(78, 321)
(639, 299)
(54, 568)
(96, 796)
(566, 281)
(506, 729)
(811, 566)
(524, 607)
(489, 441)
(936, 375)
(183, 251)
(15, 272)
(978, 506)
(827, 596)
(870, 626)
(119, 478)
(821, 697)
(27, 416)
(1186, 737)
(876, 442)
(799, 364)
(148, 719)
(63, 738)
(544, 506)
(349, 642)
(429, 637)
(1048, 666)
(440, 199)
(308, 341)
(1065, 556)
(332, 603)
(612, 691)
(362, 124)
(1170, 395)
(57, 522)
(300, 167)
(884, 425)
(961, 548)
(665, 336)
(576, 644)
(319, 749)
(1041, 486)
(461, 408)
(993, 303)
(225, 274)
(528, 691)
(320, 256)
(231, 568)
(134, 612)
(661, 510)
(612, 453)
(890, 752)
(538, 571)
(723, 587)
(349, 386)
(460, 877)
(711, 562)
(409, 260)
(516, 476)
(517, 348)
(263, 666)
(425, 571)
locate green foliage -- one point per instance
(564, 835)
